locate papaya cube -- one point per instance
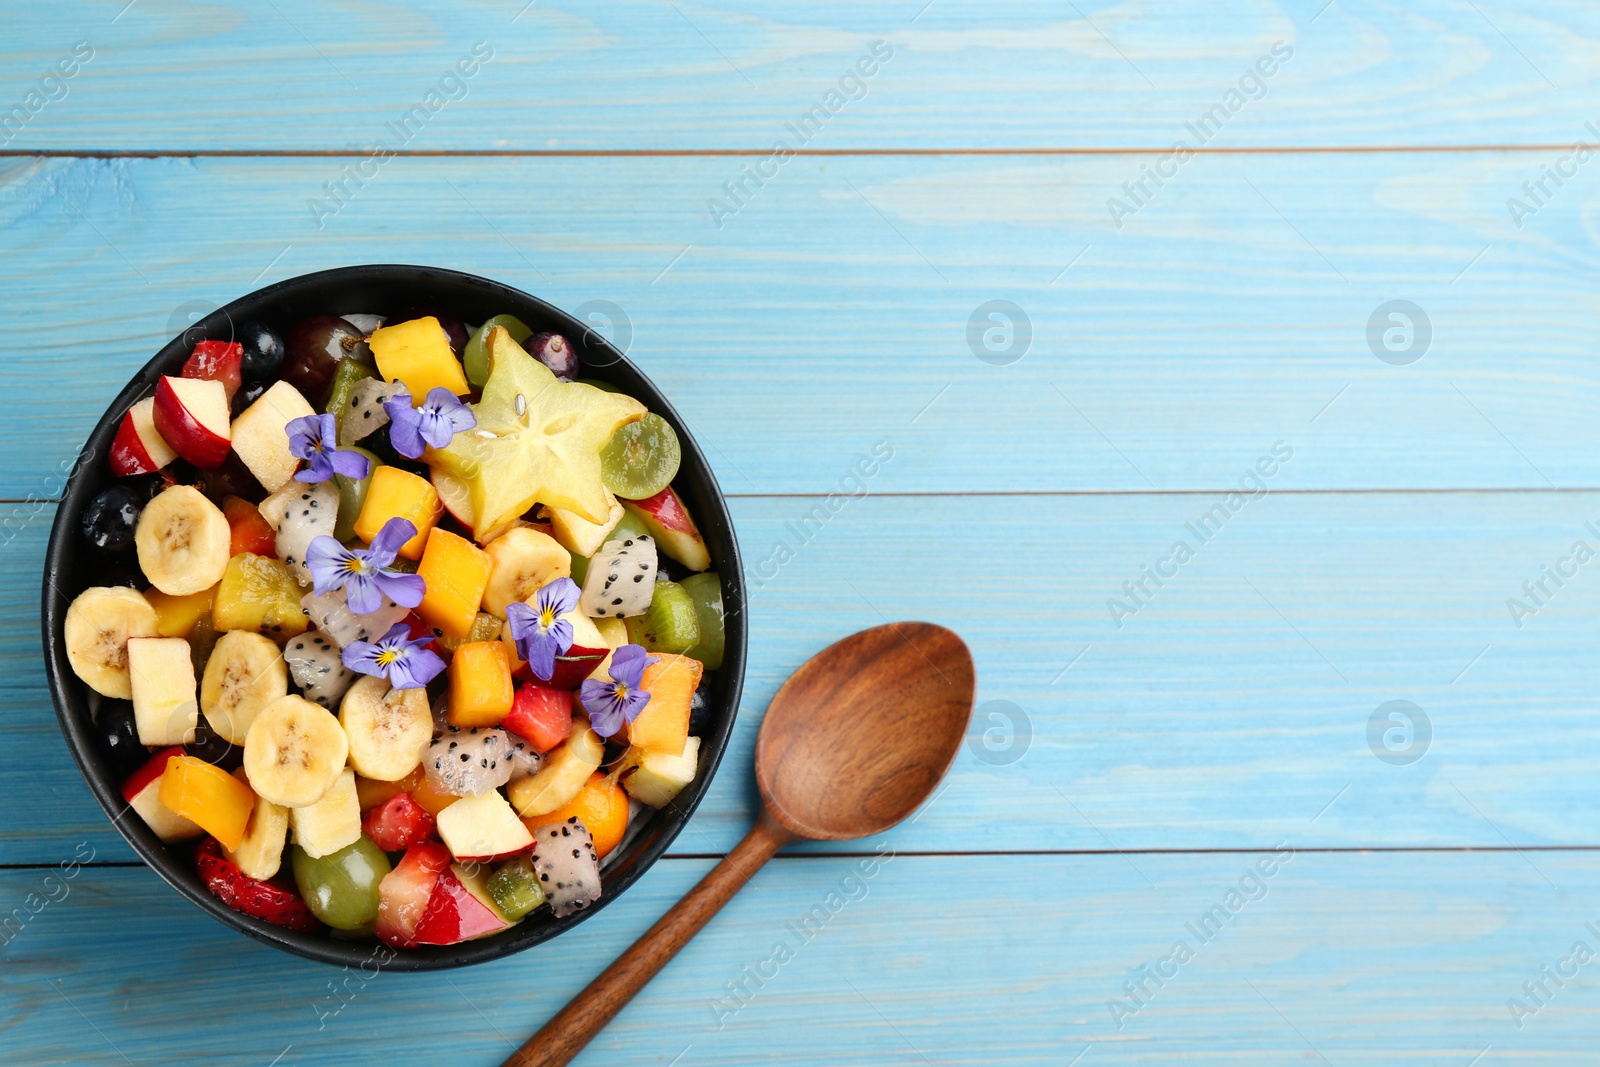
(258, 593)
(208, 796)
(456, 572)
(418, 354)
(394, 493)
(663, 725)
(176, 615)
(480, 684)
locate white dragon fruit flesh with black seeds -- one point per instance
(330, 614)
(524, 758)
(470, 762)
(568, 869)
(364, 414)
(311, 513)
(315, 665)
(621, 579)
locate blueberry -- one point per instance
(214, 748)
(700, 706)
(248, 394)
(263, 351)
(110, 518)
(119, 737)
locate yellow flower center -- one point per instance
(388, 656)
(547, 618)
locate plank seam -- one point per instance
(745, 153)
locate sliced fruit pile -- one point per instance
(403, 624)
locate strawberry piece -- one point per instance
(404, 893)
(398, 823)
(239, 891)
(217, 361)
(540, 714)
(453, 914)
(251, 531)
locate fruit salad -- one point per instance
(399, 622)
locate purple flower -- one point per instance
(612, 705)
(439, 417)
(407, 664)
(540, 633)
(365, 575)
(312, 437)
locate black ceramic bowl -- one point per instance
(383, 290)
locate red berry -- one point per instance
(240, 892)
(540, 714)
(217, 361)
(398, 823)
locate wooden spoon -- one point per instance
(854, 742)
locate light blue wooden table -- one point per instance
(1186, 829)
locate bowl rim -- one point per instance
(72, 698)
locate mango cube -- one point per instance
(418, 354)
(663, 725)
(457, 572)
(480, 684)
(208, 796)
(259, 594)
(176, 615)
(394, 493)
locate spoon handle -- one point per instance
(575, 1025)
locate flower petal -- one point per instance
(362, 656)
(390, 540)
(350, 464)
(415, 669)
(405, 434)
(434, 428)
(540, 651)
(559, 596)
(361, 594)
(523, 619)
(407, 590)
(628, 663)
(605, 711)
(327, 557)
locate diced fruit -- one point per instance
(139, 447)
(455, 914)
(216, 361)
(483, 828)
(341, 888)
(675, 532)
(209, 797)
(600, 805)
(418, 353)
(521, 562)
(540, 714)
(468, 762)
(475, 357)
(260, 853)
(363, 413)
(313, 351)
(432, 799)
(110, 519)
(294, 752)
(261, 435)
(346, 376)
(98, 626)
(262, 899)
(142, 791)
(588, 651)
(537, 440)
(614, 632)
(244, 674)
(398, 823)
(191, 415)
(581, 537)
(352, 495)
(515, 888)
(276, 505)
(163, 686)
(370, 792)
(258, 593)
(183, 541)
(331, 614)
(404, 892)
(621, 579)
(480, 684)
(250, 531)
(388, 729)
(641, 459)
(456, 572)
(118, 736)
(706, 590)
(313, 513)
(657, 777)
(567, 768)
(456, 498)
(263, 350)
(332, 822)
(555, 352)
(569, 870)
(391, 493)
(663, 724)
(485, 627)
(671, 624)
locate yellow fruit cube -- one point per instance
(456, 572)
(209, 797)
(663, 725)
(394, 493)
(480, 684)
(258, 593)
(176, 615)
(418, 353)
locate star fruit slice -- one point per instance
(538, 440)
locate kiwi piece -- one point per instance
(671, 624)
(706, 591)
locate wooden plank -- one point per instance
(963, 74)
(1230, 312)
(1224, 713)
(1345, 959)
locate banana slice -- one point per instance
(387, 729)
(333, 822)
(521, 561)
(260, 853)
(99, 624)
(183, 541)
(294, 751)
(244, 674)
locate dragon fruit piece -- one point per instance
(364, 414)
(621, 579)
(468, 763)
(315, 665)
(311, 513)
(330, 614)
(568, 869)
(524, 758)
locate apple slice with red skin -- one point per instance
(217, 361)
(142, 791)
(398, 823)
(674, 531)
(404, 893)
(191, 415)
(239, 891)
(572, 667)
(454, 914)
(541, 715)
(138, 447)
